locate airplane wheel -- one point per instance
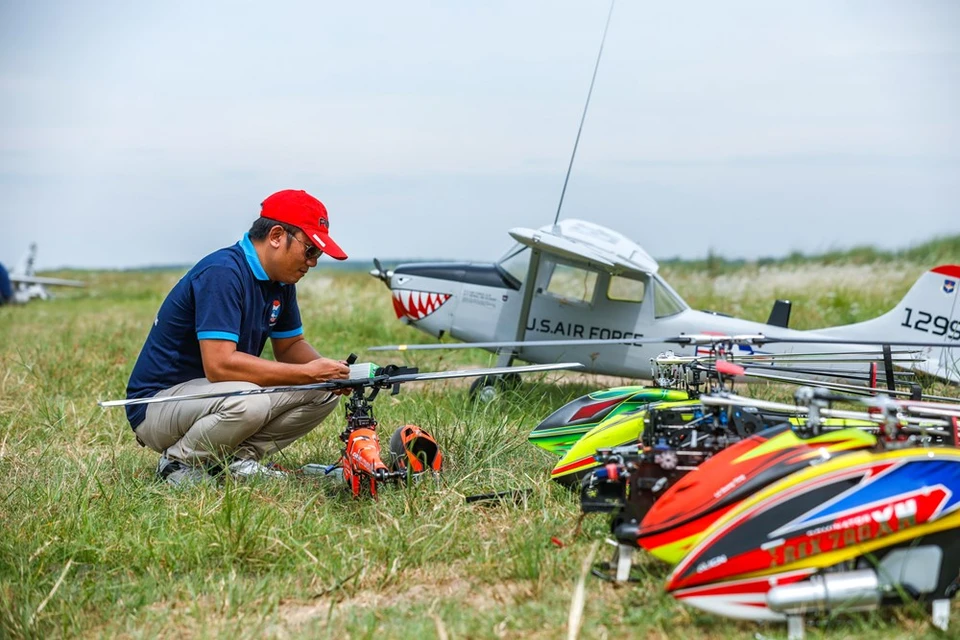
(488, 388)
(485, 389)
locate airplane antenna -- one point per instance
(584, 116)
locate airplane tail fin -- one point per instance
(25, 266)
(930, 312)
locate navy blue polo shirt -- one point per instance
(226, 296)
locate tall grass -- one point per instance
(91, 545)
(945, 250)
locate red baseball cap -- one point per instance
(302, 210)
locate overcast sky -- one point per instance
(135, 133)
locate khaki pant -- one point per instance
(246, 427)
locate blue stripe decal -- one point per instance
(252, 258)
(903, 478)
(287, 334)
(217, 335)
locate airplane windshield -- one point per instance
(516, 262)
(665, 303)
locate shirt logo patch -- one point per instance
(274, 312)
(949, 285)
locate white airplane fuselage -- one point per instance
(479, 302)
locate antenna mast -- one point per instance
(584, 116)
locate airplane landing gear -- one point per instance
(486, 389)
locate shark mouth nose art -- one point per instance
(417, 305)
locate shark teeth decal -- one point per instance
(417, 305)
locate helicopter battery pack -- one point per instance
(363, 370)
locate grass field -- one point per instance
(92, 546)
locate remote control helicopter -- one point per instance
(365, 467)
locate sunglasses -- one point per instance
(310, 252)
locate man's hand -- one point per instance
(325, 369)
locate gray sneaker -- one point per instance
(180, 474)
(246, 469)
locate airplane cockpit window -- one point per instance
(625, 289)
(572, 284)
(664, 302)
(516, 262)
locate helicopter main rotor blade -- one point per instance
(758, 339)
(824, 356)
(476, 373)
(740, 401)
(683, 340)
(835, 386)
(761, 339)
(318, 386)
(385, 381)
(774, 362)
(877, 355)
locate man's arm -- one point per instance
(295, 350)
(222, 362)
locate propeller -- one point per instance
(379, 273)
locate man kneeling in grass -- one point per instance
(208, 337)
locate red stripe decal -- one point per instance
(591, 410)
(582, 462)
(952, 270)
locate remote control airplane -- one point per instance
(21, 285)
(580, 292)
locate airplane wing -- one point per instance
(510, 344)
(60, 282)
(589, 244)
(560, 246)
